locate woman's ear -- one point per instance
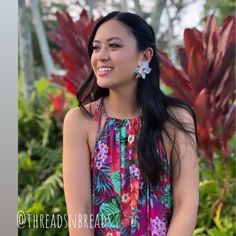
(147, 54)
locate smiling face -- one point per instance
(115, 55)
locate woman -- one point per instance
(129, 151)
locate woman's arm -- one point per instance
(186, 185)
(76, 174)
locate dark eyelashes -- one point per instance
(94, 47)
(111, 45)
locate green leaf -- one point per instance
(167, 90)
(217, 219)
(42, 86)
(199, 231)
(115, 176)
(109, 214)
(37, 207)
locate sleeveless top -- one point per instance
(123, 201)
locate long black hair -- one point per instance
(154, 104)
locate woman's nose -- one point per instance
(103, 54)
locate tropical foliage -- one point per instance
(40, 183)
(72, 37)
(206, 81)
(217, 196)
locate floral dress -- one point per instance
(123, 201)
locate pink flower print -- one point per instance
(130, 154)
(109, 234)
(125, 198)
(102, 154)
(131, 138)
(134, 170)
(99, 164)
(129, 125)
(153, 227)
(101, 157)
(158, 227)
(125, 221)
(103, 148)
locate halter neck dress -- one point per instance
(123, 202)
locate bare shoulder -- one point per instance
(77, 122)
(181, 114)
(175, 134)
(183, 132)
(76, 115)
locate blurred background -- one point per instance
(196, 47)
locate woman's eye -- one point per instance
(94, 47)
(113, 45)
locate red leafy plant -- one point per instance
(206, 81)
(58, 103)
(72, 37)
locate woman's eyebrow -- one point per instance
(108, 40)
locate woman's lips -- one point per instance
(102, 71)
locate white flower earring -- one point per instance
(142, 69)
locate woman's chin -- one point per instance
(104, 84)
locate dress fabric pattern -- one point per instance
(123, 201)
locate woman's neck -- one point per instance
(122, 105)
